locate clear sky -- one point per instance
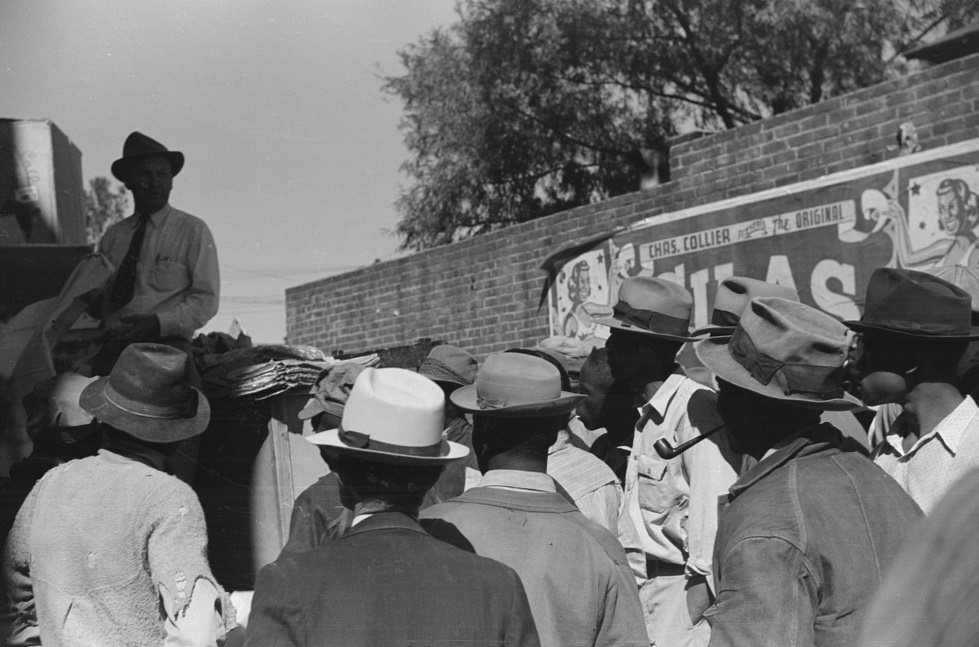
(292, 149)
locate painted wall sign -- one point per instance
(824, 237)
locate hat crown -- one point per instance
(652, 306)
(916, 302)
(154, 377)
(657, 295)
(448, 363)
(735, 292)
(148, 395)
(964, 277)
(139, 144)
(395, 406)
(794, 333)
(508, 379)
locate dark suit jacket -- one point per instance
(387, 582)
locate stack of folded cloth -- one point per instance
(265, 371)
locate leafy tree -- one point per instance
(523, 108)
(104, 205)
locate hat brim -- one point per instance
(331, 438)
(153, 430)
(466, 399)
(716, 357)
(714, 331)
(121, 165)
(626, 327)
(860, 326)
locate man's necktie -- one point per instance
(125, 284)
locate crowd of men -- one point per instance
(796, 480)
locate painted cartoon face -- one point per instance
(579, 288)
(951, 215)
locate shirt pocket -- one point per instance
(657, 493)
(167, 275)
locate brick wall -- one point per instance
(482, 293)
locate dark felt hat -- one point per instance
(916, 305)
(148, 395)
(449, 365)
(138, 146)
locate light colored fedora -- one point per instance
(732, 297)
(393, 415)
(138, 146)
(449, 365)
(916, 305)
(516, 385)
(654, 307)
(785, 350)
(147, 395)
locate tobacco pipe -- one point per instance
(667, 451)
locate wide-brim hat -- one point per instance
(450, 366)
(732, 297)
(331, 390)
(516, 385)
(393, 415)
(138, 146)
(147, 395)
(916, 305)
(785, 350)
(654, 307)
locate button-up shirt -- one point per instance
(670, 506)
(177, 277)
(937, 459)
(587, 479)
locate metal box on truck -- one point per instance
(41, 190)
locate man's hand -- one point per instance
(141, 326)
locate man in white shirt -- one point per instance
(668, 518)
(167, 282)
(915, 329)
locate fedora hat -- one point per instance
(916, 305)
(393, 415)
(732, 297)
(147, 395)
(516, 385)
(138, 146)
(449, 365)
(331, 391)
(785, 350)
(654, 307)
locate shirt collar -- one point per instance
(563, 440)
(949, 431)
(660, 401)
(157, 217)
(518, 480)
